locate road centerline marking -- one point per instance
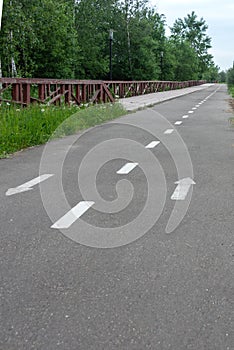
(185, 116)
(127, 168)
(153, 144)
(168, 131)
(70, 217)
(179, 122)
(190, 112)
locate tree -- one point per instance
(56, 48)
(230, 77)
(138, 30)
(93, 22)
(185, 61)
(70, 39)
(40, 36)
(222, 77)
(212, 73)
(139, 36)
(193, 31)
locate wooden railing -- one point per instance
(25, 91)
(124, 89)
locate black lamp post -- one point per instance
(111, 37)
(161, 64)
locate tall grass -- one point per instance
(24, 127)
(231, 90)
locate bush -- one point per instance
(230, 77)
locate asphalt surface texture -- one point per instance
(155, 290)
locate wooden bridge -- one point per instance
(25, 91)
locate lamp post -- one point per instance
(161, 64)
(111, 37)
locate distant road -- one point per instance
(161, 291)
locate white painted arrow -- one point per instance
(182, 189)
(28, 185)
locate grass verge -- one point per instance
(231, 92)
(25, 127)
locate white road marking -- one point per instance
(168, 131)
(153, 144)
(198, 105)
(182, 189)
(190, 112)
(127, 168)
(194, 108)
(185, 116)
(179, 122)
(28, 185)
(75, 213)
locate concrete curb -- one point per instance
(135, 103)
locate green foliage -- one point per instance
(222, 77)
(193, 31)
(24, 127)
(137, 42)
(230, 80)
(230, 77)
(70, 39)
(185, 61)
(40, 37)
(231, 91)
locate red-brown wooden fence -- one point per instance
(24, 91)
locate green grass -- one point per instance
(25, 127)
(231, 91)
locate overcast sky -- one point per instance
(219, 16)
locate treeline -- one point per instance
(230, 80)
(70, 39)
(230, 77)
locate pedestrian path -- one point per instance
(137, 102)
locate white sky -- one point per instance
(219, 16)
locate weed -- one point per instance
(24, 127)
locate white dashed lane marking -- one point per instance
(153, 144)
(168, 131)
(127, 168)
(75, 213)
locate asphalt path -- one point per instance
(170, 287)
